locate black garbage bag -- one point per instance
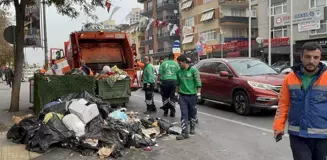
(22, 132)
(164, 125)
(105, 110)
(49, 134)
(146, 123)
(61, 108)
(138, 141)
(85, 95)
(135, 128)
(93, 129)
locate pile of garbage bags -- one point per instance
(88, 125)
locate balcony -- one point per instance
(234, 3)
(167, 49)
(146, 12)
(168, 5)
(165, 36)
(230, 39)
(233, 21)
(146, 42)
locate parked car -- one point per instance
(243, 83)
(280, 65)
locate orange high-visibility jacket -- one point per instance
(305, 109)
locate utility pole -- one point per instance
(291, 38)
(250, 34)
(46, 58)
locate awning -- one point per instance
(188, 39)
(207, 15)
(233, 54)
(187, 4)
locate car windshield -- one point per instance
(251, 67)
(280, 63)
(324, 62)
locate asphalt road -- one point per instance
(224, 135)
(220, 135)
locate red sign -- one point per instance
(243, 45)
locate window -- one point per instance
(188, 39)
(317, 3)
(186, 4)
(159, 3)
(207, 1)
(278, 8)
(251, 67)
(208, 67)
(209, 35)
(238, 12)
(279, 32)
(189, 22)
(207, 15)
(222, 67)
(149, 7)
(237, 32)
(322, 30)
(253, 12)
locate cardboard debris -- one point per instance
(151, 132)
(105, 152)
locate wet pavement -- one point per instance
(220, 135)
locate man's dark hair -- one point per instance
(311, 46)
(171, 56)
(184, 59)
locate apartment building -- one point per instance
(158, 40)
(135, 15)
(209, 18)
(136, 36)
(309, 24)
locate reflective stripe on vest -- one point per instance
(310, 130)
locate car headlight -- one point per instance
(260, 85)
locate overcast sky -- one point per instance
(59, 26)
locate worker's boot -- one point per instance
(165, 112)
(192, 126)
(148, 110)
(183, 136)
(172, 112)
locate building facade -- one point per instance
(159, 40)
(309, 24)
(135, 15)
(212, 19)
(136, 36)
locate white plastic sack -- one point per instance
(83, 111)
(73, 123)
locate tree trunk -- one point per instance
(18, 57)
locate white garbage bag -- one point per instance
(73, 123)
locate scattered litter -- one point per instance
(88, 125)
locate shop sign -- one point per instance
(243, 45)
(307, 26)
(316, 14)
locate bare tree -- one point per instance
(70, 8)
(6, 52)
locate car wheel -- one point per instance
(241, 103)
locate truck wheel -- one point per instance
(241, 103)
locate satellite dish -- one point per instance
(259, 40)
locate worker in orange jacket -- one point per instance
(303, 101)
(86, 69)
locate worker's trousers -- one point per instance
(168, 89)
(149, 89)
(308, 148)
(187, 104)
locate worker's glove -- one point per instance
(199, 96)
(147, 85)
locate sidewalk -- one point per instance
(8, 149)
